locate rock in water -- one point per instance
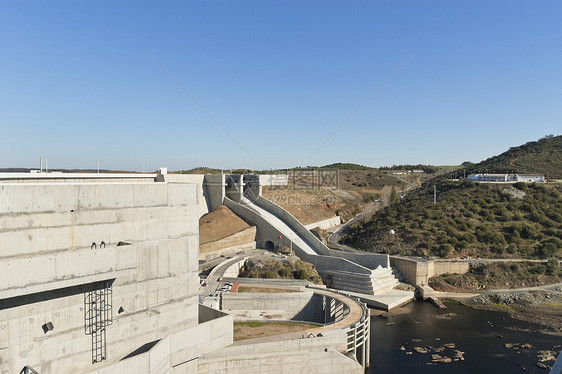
(441, 360)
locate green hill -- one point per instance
(469, 219)
(542, 156)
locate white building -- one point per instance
(530, 178)
(510, 178)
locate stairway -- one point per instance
(385, 279)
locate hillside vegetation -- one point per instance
(309, 198)
(469, 219)
(279, 267)
(542, 156)
(500, 275)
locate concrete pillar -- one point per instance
(368, 350)
(235, 187)
(252, 186)
(214, 188)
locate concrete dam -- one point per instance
(361, 273)
(98, 274)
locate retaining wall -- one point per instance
(417, 271)
(304, 306)
(243, 238)
(325, 223)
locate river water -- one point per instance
(481, 335)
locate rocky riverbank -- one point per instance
(542, 306)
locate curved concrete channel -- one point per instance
(366, 275)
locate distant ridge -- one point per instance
(346, 166)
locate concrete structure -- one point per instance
(239, 241)
(506, 178)
(417, 271)
(325, 223)
(342, 343)
(342, 270)
(98, 274)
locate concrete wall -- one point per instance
(178, 352)
(214, 185)
(201, 192)
(252, 186)
(58, 177)
(417, 271)
(298, 306)
(325, 223)
(279, 282)
(234, 269)
(274, 180)
(242, 239)
(449, 267)
(336, 271)
(235, 187)
(281, 358)
(58, 223)
(369, 260)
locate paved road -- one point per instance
(334, 238)
(216, 274)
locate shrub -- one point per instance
(269, 274)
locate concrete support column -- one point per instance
(214, 186)
(252, 186)
(368, 344)
(235, 187)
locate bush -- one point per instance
(300, 274)
(284, 272)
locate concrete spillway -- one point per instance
(292, 233)
(356, 272)
(362, 273)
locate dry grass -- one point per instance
(219, 224)
(251, 330)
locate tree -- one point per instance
(393, 195)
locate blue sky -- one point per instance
(78, 82)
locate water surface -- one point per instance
(481, 335)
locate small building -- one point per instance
(530, 178)
(488, 177)
(508, 178)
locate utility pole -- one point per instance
(434, 194)
(291, 238)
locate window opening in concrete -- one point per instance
(47, 327)
(142, 349)
(98, 314)
(269, 245)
